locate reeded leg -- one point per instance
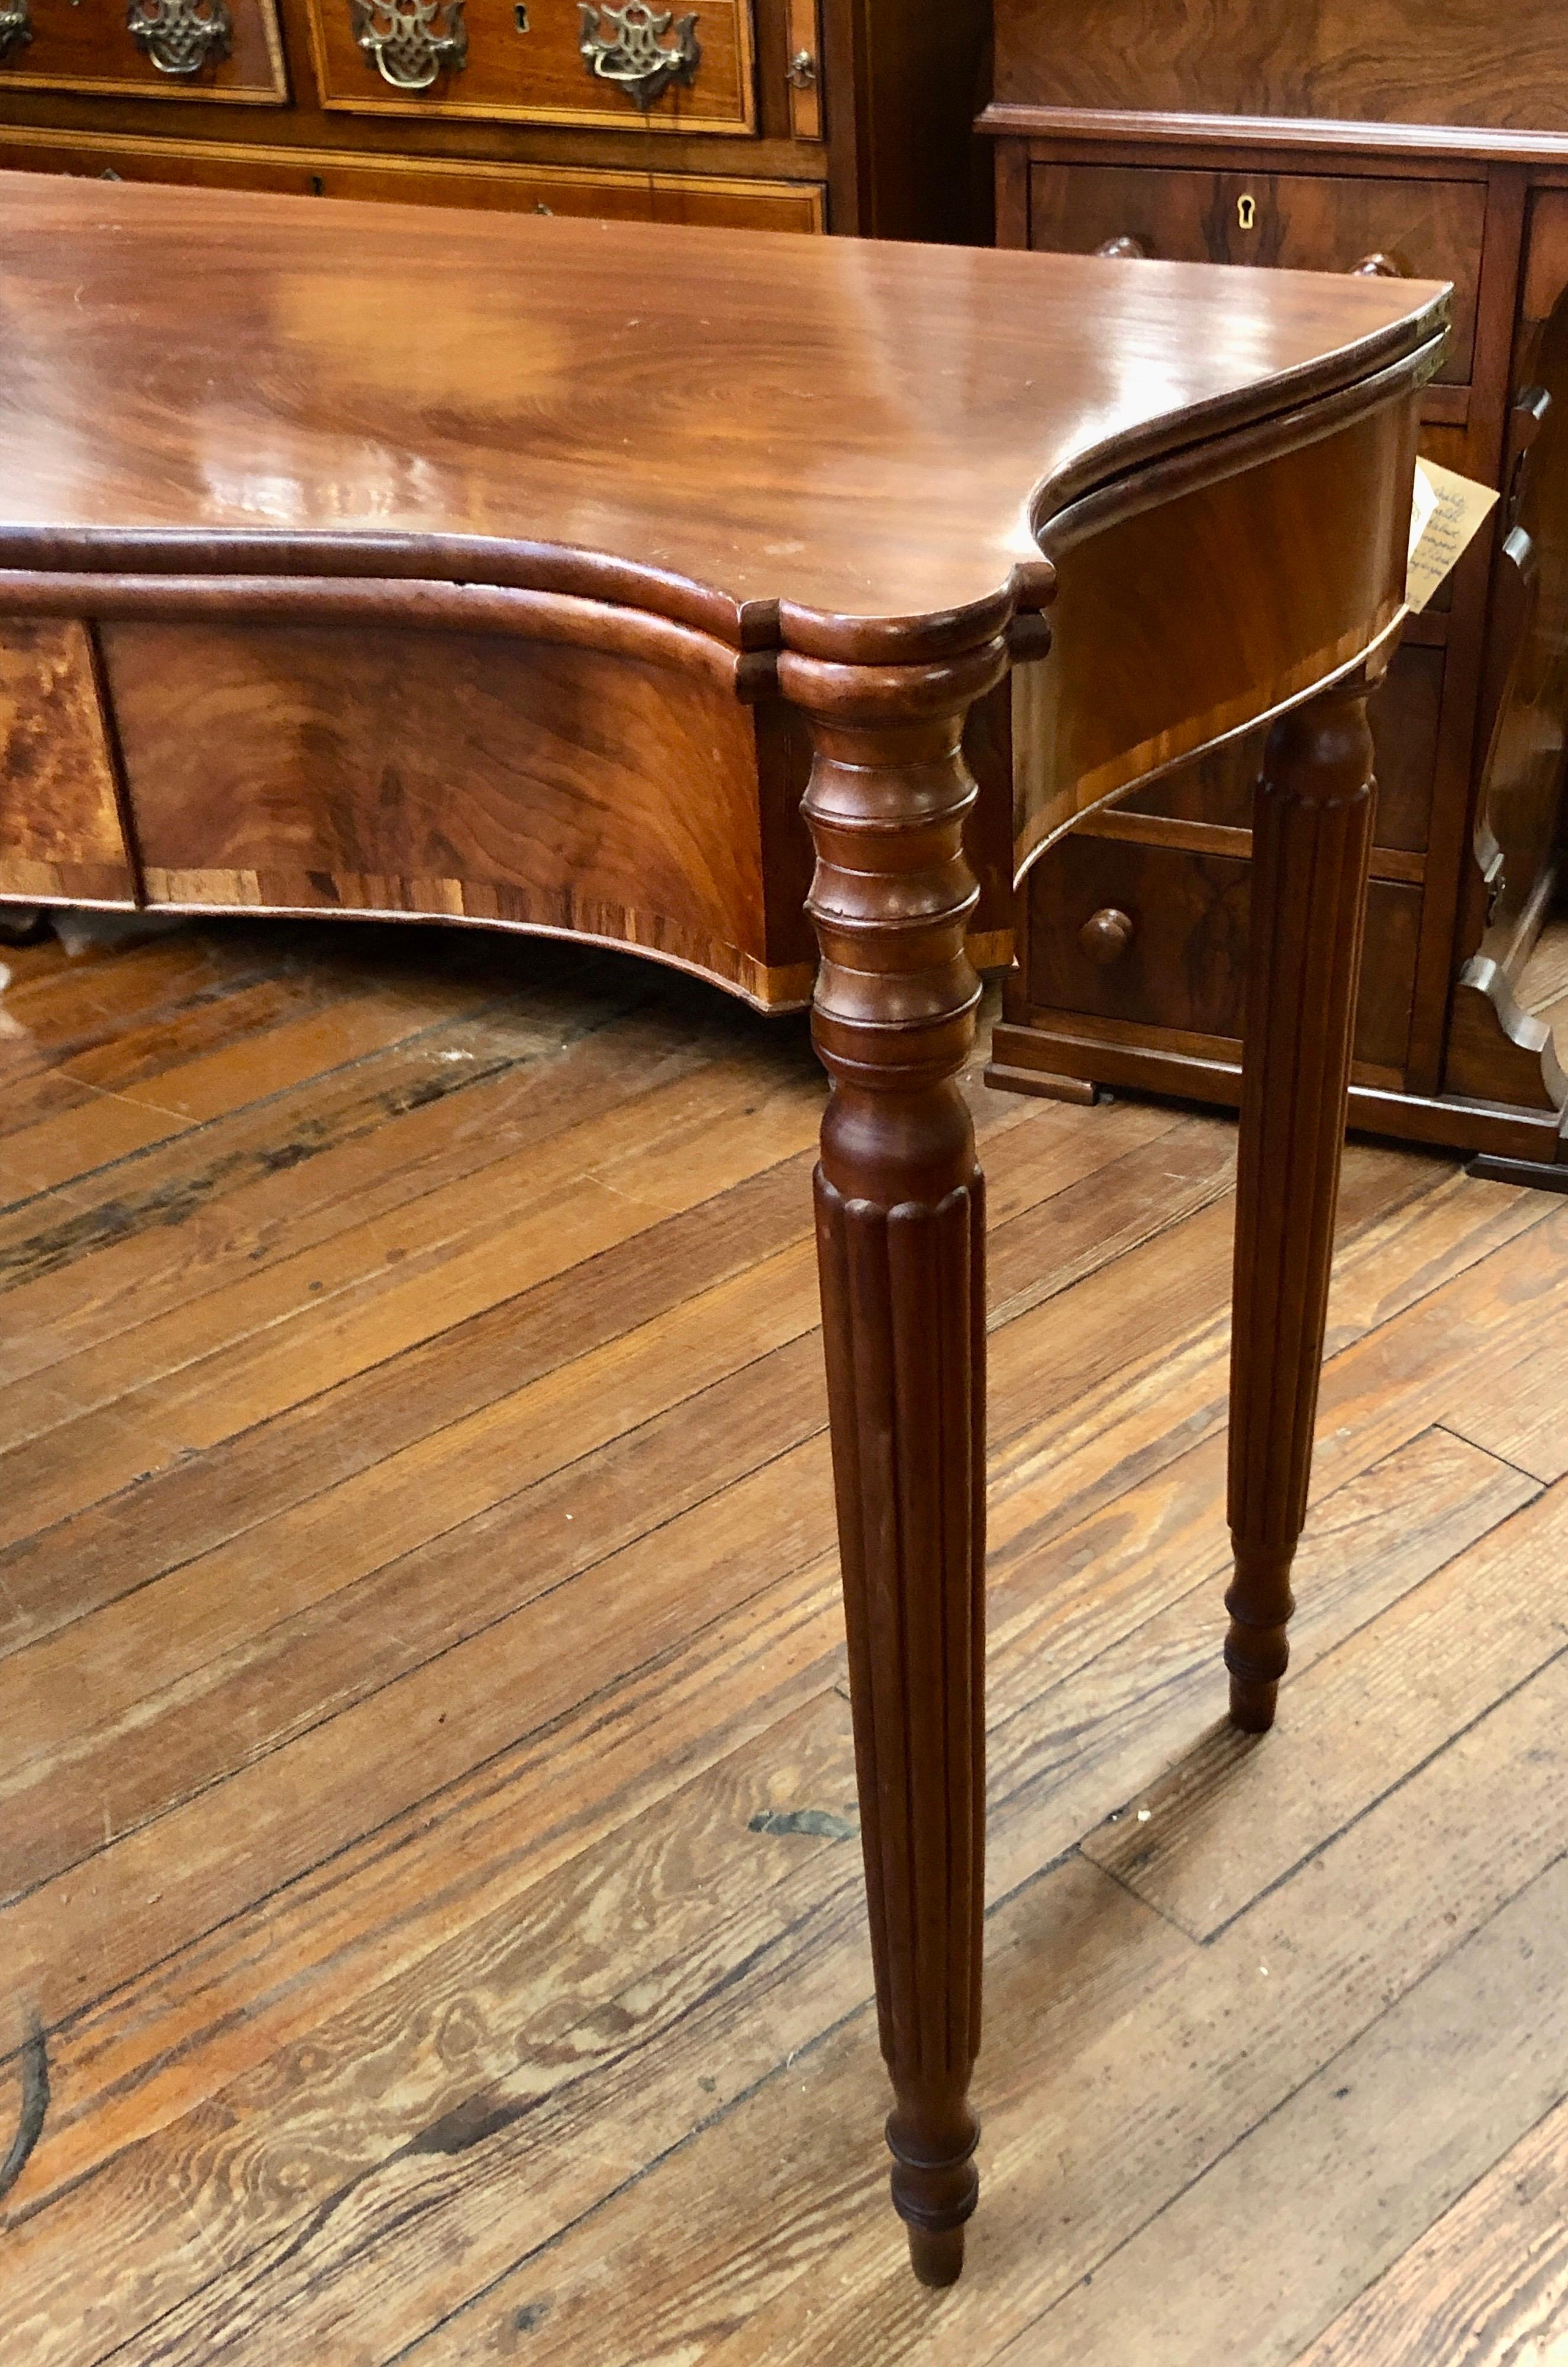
(900, 1228)
(1311, 838)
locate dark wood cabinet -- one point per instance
(1301, 134)
(800, 115)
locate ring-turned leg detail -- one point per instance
(1310, 846)
(900, 1226)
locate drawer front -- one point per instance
(1405, 715)
(1183, 961)
(154, 49)
(1427, 230)
(498, 188)
(540, 61)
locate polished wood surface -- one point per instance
(794, 384)
(505, 577)
(453, 1909)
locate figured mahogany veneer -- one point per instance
(508, 570)
(1377, 62)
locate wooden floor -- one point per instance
(431, 1890)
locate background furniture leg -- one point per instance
(1311, 839)
(900, 1240)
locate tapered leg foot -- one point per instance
(1255, 1702)
(1258, 1651)
(937, 2258)
(1312, 841)
(901, 1235)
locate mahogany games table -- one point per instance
(540, 573)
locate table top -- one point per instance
(732, 428)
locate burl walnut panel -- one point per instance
(302, 769)
(60, 827)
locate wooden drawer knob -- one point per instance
(1124, 249)
(1106, 936)
(1377, 266)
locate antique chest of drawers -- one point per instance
(803, 115)
(1301, 133)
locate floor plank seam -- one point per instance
(301, 2233)
(107, 1237)
(191, 1129)
(637, 2176)
(1390, 2006)
(485, 1511)
(1152, 1905)
(296, 1410)
(534, 1739)
(1200, 1585)
(1391, 1790)
(1536, 1481)
(1455, 2203)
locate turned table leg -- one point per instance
(899, 1230)
(1311, 839)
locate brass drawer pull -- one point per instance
(1106, 936)
(16, 25)
(625, 46)
(411, 44)
(1377, 266)
(802, 75)
(1126, 249)
(181, 36)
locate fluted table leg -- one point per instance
(899, 1229)
(1311, 839)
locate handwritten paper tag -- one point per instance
(1446, 515)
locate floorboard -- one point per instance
(428, 1860)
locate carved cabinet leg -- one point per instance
(1311, 839)
(900, 1228)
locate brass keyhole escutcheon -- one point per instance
(1247, 211)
